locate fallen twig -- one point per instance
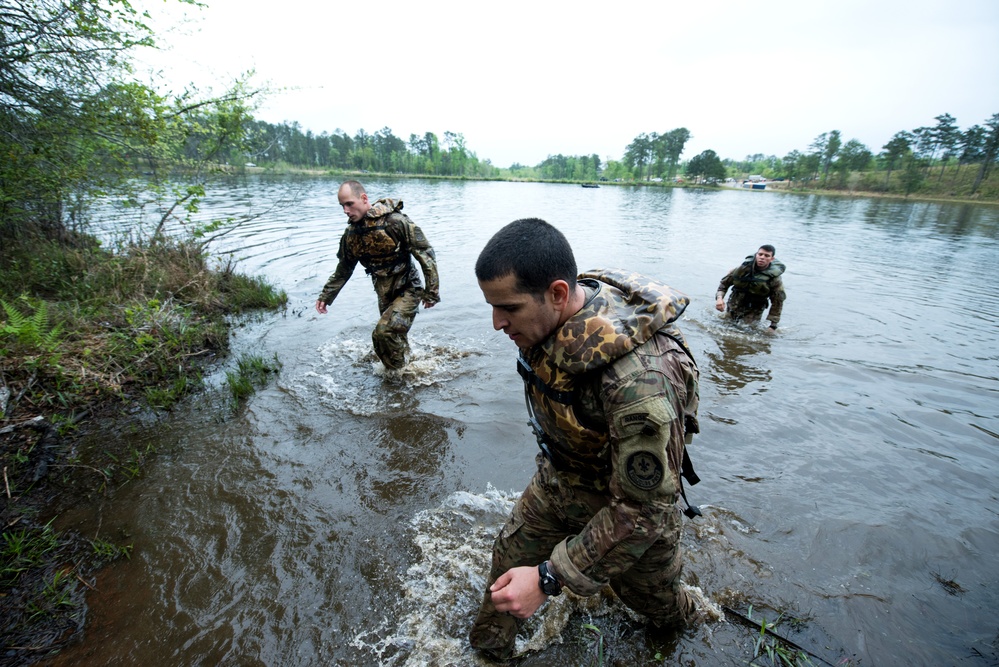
(82, 581)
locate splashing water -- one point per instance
(442, 590)
(348, 375)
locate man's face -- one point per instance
(523, 318)
(763, 258)
(354, 207)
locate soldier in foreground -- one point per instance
(382, 238)
(754, 283)
(612, 396)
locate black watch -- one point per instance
(547, 581)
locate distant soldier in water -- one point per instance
(755, 283)
(383, 239)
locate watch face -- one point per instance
(549, 584)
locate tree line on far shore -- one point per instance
(920, 157)
(915, 157)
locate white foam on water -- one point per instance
(348, 375)
(429, 363)
(443, 588)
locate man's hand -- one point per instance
(517, 592)
(720, 305)
(320, 306)
(427, 303)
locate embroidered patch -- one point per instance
(635, 418)
(644, 470)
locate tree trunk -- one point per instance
(980, 177)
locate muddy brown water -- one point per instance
(343, 516)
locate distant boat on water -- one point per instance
(590, 185)
(754, 186)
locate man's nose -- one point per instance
(498, 320)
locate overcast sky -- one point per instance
(526, 79)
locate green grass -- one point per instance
(596, 636)
(23, 549)
(82, 325)
(252, 371)
(106, 551)
(770, 650)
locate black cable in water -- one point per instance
(756, 626)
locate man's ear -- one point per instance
(559, 290)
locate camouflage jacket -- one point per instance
(757, 285)
(382, 242)
(614, 391)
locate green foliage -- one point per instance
(164, 397)
(143, 313)
(903, 167)
(770, 646)
(271, 145)
(29, 331)
(656, 155)
(913, 175)
(597, 637)
(707, 165)
(243, 292)
(55, 595)
(570, 168)
(74, 126)
(23, 549)
(107, 552)
(251, 371)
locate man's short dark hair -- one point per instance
(356, 188)
(533, 251)
(769, 248)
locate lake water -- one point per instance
(344, 516)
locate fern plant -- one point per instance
(30, 331)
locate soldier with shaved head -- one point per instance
(612, 394)
(384, 241)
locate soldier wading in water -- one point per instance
(754, 282)
(382, 238)
(612, 394)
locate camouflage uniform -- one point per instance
(614, 392)
(382, 242)
(751, 289)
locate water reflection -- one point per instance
(742, 358)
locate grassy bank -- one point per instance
(86, 337)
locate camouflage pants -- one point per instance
(745, 307)
(548, 512)
(389, 337)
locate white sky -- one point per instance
(526, 79)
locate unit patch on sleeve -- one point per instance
(644, 470)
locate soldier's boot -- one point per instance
(493, 633)
(391, 347)
(680, 615)
(389, 337)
